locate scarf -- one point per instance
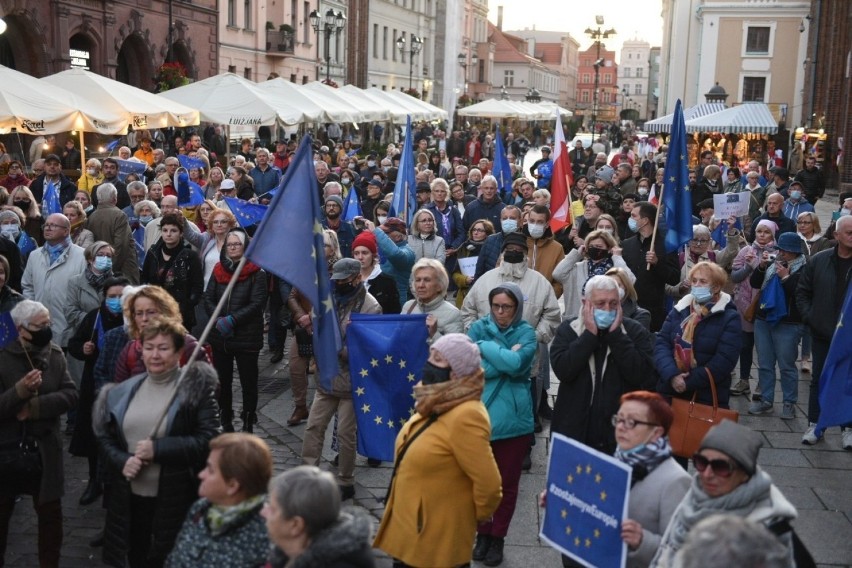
(220, 519)
(597, 269)
(645, 458)
(794, 266)
(55, 251)
(223, 275)
(440, 398)
(96, 281)
(684, 355)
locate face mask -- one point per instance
(113, 305)
(385, 168)
(381, 219)
(509, 225)
(41, 337)
(11, 232)
(643, 191)
(702, 294)
(844, 212)
(604, 318)
(103, 263)
(92, 171)
(598, 254)
(351, 166)
(345, 288)
(632, 224)
(346, 181)
(14, 175)
(513, 256)
(145, 219)
(535, 230)
(371, 164)
(433, 374)
(795, 195)
(23, 205)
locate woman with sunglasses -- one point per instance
(728, 482)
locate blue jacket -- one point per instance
(489, 253)
(345, 235)
(792, 209)
(510, 409)
(717, 343)
(479, 209)
(265, 180)
(397, 260)
(454, 235)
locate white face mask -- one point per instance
(535, 230)
(10, 231)
(381, 219)
(92, 171)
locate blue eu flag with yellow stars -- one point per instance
(386, 358)
(835, 384)
(247, 214)
(8, 330)
(51, 199)
(502, 170)
(773, 301)
(404, 201)
(587, 495)
(677, 198)
(289, 244)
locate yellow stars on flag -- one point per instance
(577, 541)
(388, 359)
(672, 179)
(359, 391)
(378, 420)
(329, 304)
(364, 372)
(597, 533)
(598, 478)
(317, 227)
(374, 363)
(411, 377)
(579, 469)
(568, 530)
(411, 411)
(402, 363)
(564, 514)
(391, 424)
(603, 495)
(588, 469)
(588, 543)
(365, 408)
(570, 478)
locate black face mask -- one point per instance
(22, 205)
(345, 288)
(598, 254)
(513, 256)
(433, 374)
(41, 337)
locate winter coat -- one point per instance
(585, 401)
(129, 359)
(447, 316)
(57, 395)
(242, 542)
(345, 235)
(543, 255)
(344, 544)
(16, 265)
(651, 284)
(572, 272)
(813, 183)
(455, 231)
(507, 375)
(716, 345)
(67, 189)
(817, 296)
(489, 253)
(446, 483)
(9, 298)
(88, 183)
(789, 285)
(480, 209)
(815, 244)
(246, 305)
(431, 246)
(792, 209)
(191, 422)
(341, 384)
(785, 224)
(383, 288)
(109, 224)
(397, 260)
(82, 299)
(184, 279)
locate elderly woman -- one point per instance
(85, 200)
(211, 242)
(22, 198)
(541, 197)
(307, 526)
(85, 290)
(153, 434)
(36, 392)
(728, 481)
(76, 214)
(479, 231)
(214, 181)
(429, 282)
(508, 346)
(598, 254)
(92, 177)
(629, 298)
(146, 211)
(381, 286)
(225, 527)
(423, 238)
(700, 249)
(700, 340)
(456, 442)
(10, 228)
(15, 176)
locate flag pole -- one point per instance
(198, 346)
(656, 223)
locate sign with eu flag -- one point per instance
(386, 358)
(586, 501)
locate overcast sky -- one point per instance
(631, 18)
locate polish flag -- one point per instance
(561, 182)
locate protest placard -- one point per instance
(726, 205)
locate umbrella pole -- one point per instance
(228, 148)
(82, 152)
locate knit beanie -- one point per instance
(736, 441)
(335, 199)
(367, 240)
(460, 352)
(514, 239)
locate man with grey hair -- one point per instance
(109, 224)
(731, 540)
(626, 183)
(488, 206)
(48, 271)
(169, 204)
(137, 191)
(266, 176)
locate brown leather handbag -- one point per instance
(692, 420)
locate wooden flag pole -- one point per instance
(656, 221)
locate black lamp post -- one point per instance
(462, 59)
(597, 34)
(414, 49)
(332, 23)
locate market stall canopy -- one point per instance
(664, 123)
(281, 89)
(141, 108)
(434, 113)
(553, 106)
(371, 113)
(232, 100)
(370, 107)
(747, 118)
(497, 108)
(398, 113)
(335, 106)
(27, 106)
(415, 111)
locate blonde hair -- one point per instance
(621, 275)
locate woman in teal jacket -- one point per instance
(508, 346)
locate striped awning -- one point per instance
(747, 118)
(664, 123)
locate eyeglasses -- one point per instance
(234, 245)
(51, 226)
(719, 467)
(629, 423)
(700, 241)
(477, 230)
(502, 307)
(219, 222)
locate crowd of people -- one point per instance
(109, 296)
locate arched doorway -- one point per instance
(82, 51)
(182, 55)
(22, 47)
(134, 63)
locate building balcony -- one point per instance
(279, 42)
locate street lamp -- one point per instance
(414, 49)
(504, 94)
(332, 23)
(597, 34)
(533, 96)
(462, 59)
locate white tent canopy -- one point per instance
(434, 113)
(398, 112)
(31, 109)
(376, 111)
(664, 123)
(141, 108)
(281, 89)
(336, 107)
(496, 108)
(369, 114)
(416, 112)
(745, 118)
(232, 100)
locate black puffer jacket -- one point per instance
(183, 278)
(817, 297)
(193, 420)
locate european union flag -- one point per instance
(677, 200)
(130, 167)
(113, 145)
(189, 162)
(352, 206)
(289, 244)
(502, 170)
(189, 193)
(8, 330)
(405, 191)
(386, 358)
(139, 242)
(835, 383)
(720, 233)
(247, 214)
(51, 199)
(773, 301)
(586, 502)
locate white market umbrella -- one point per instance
(433, 112)
(496, 108)
(372, 109)
(664, 123)
(281, 89)
(747, 118)
(416, 112)
(336, 107)
(398, 113)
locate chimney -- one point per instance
(500, 18)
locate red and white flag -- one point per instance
(561, 182)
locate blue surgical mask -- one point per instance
(702, 294)
(145, 219)
(103, 263)
(632, 224)
(113, 305)
(604, 318)
(795, 195)
(509, 225)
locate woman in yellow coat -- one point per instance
(445, 477)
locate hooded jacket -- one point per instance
(397, 260)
